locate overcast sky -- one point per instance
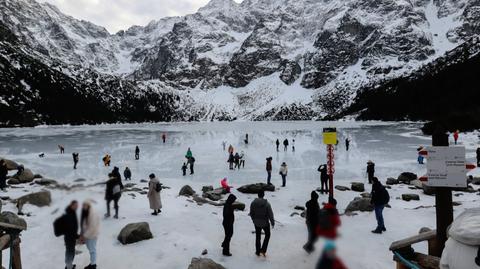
(118, 15)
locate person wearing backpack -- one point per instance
(328, 220)
(262, 217)
(90, 227)
(154, 188)
(380, 198)
(311, 216)
(113, 192)
(67, 225)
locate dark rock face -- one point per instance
(14, 219)
(407, 177)
(410, 197)
(358, 187)
(135, 232)
(186, 191)
(359, 204)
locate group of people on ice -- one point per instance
(286, 143)
(235, 160)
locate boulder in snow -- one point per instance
(186, 191)
(341, 188)
(45, 182)
(12, 218)
(406, 177)
(204, 263)
(207, 188)
(238, 206)
(256, 188)
(410, 196)
(42, 198)
(25, 177)
(358, 187)
(215, 194)
(359, 204)
(11, 165)
(392, 181)
(135, 232)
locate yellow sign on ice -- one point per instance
(329, 136)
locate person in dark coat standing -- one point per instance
(285, 145)
(246, 139)
(184, 169)
(268, 167)
(228, 220)
(70, 233)
(231, 161)
(3, 174)
(478, 156)
(347, 143)
(137, 153)
(113, 192)
(116, 173)
(311, 216)
(164, 138)
(278, 145)
(127, 173)
(380, 198)
(262, 217)
(76, 158)
(323, 178)
(237, 160)
(191, 161)
(370, 171)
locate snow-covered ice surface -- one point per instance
(184, 229)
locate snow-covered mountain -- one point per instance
(260, 59)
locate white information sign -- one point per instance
(446, 167)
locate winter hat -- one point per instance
(314, 195)
(329, 245)
(152, 175)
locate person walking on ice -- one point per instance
(188, 154)
(113, 192)
(311, 217)
(347, 143)
(370, 171)
(137, 153)
(268, 167)
(283, 173)
(285, 145)
(277, 143)
(154, 189)
(191, 161)
(228, 220)
(231, 161)
(262, 216)
(293, 145)
(184, 169)
(62, 149)
(380, 198)
(127, 173)
(164, 138)
(76, 158)
(478, 156)
(90, 227)
(67, 225)
(224, 145)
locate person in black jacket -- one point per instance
(380, 198)
(277, 143)
(478, 156)
(116, 173)
(323, 178)
(228, 220)
(113, 192)
(231, 161)
(3, 174)
(71, 233)
(137, 153)
(76, 158)
(312, 215)
(127, 173)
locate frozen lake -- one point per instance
(184, 229)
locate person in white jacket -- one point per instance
(283, 172)
(90, 227)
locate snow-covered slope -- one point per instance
(240, 51)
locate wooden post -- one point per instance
(443, 201)
(17, 259)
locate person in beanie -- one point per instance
(380, 198)
(3, 174)
(262, 217)
(70, 233)
(329, 258)
(90, 227)
(283, 173)
(228, 220)
(154, 195)
(268, 167)
(311, 216)
(113, 192)
(370, 171)
(328, 220)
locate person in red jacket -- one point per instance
(455, 136)
(329, 258)
(225, 185)
(328, 220)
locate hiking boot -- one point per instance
(227, 254)
(377, 231)
(116, 216)
(384, 229)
